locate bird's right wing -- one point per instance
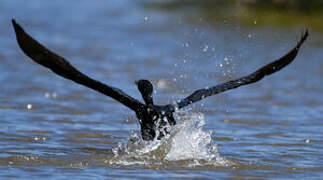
(251, 78)
(62, 67)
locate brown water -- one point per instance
(54, 128)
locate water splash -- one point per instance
(187, 145)
(189, 141)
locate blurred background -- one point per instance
(279, 13)
(52, 127)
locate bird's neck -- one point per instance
(148, 100)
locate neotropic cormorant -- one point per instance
(154, 119)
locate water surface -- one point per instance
(52, 127)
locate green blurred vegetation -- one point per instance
(285, 5)
(290, 5)
(285, 13)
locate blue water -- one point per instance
(53, 128)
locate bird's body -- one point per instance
(154, 120)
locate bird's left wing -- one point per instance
(251, 78)
(62, 67)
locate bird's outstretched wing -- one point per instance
(62, 67)
(251, 78)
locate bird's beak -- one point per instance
(136, 82)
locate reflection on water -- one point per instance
(54, 128)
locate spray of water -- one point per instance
(187, 145)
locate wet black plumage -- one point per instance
(154, 119)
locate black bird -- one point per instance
(154, 120)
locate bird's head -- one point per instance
(146, 89)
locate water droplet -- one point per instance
(54, 95)
(206, 47)
(47, 95)
(29, 106)
(162, 83)
(50, 95)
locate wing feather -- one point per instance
(251, 78)
(62, 67)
